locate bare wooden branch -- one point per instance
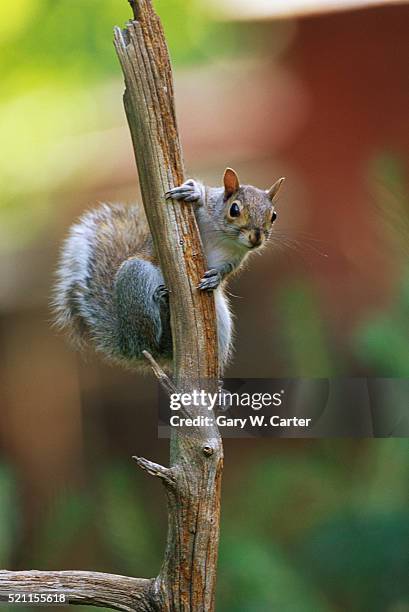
(162, 377)
(186, 581)
(154, 469)
(92, 588)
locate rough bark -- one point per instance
(186, 581)
(92, 588)
(187, 578)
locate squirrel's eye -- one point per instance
(234, 210)
(273, 217)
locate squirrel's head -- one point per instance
(248, 212)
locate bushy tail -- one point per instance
(83, 298)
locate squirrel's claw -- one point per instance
(188, 192)
(210, 281)
(161, 293)
(211, 272)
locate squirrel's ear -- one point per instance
(231, 181)
(274, 189)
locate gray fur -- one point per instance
(110, 291)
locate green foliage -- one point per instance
(187, 27)
(70, 41)
(64, 42)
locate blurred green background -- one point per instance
(306, 525)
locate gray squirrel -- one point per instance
(110, 290)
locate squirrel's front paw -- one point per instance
(188, 192)
(210, 281)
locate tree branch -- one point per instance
(188, 575)
(162, 377)
(92, 588)
(154, 469)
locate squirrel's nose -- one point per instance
(255, 237)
